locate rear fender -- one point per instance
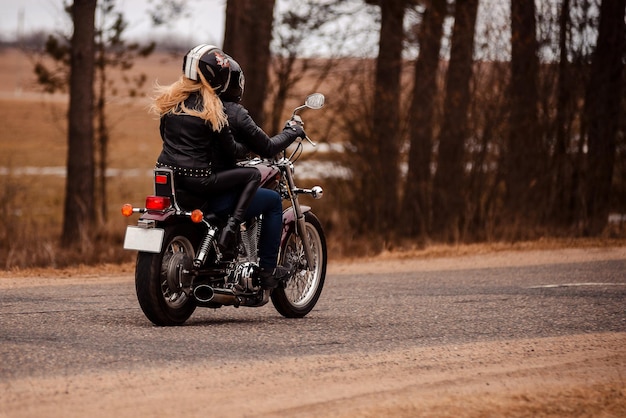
(159, 217)
(168, 217)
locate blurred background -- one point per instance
(447, 122)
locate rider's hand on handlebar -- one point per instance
(296, 120)
(296, 124)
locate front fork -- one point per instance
(300, 224)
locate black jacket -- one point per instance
(190, 142)
(247, 132)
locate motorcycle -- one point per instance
(179, 266)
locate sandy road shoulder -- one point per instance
(394, 262)
(534, 377)
(400, 262)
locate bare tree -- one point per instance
(449, 181)
(525, 157)
(487, 126)
(79, 190)
(603, 111)
(416, 199)
(163, 12)
(560, 211)
(112, 52)
(383, 177)
(247, 37)
(299, 23)
(584, 22)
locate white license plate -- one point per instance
(149, 240)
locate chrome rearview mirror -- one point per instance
(314, 101)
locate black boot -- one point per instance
(270, 278)
(228, 239)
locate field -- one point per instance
(33, 155)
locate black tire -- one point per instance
(303, 289)
(156, 275)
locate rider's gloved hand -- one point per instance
(295, 124)
(295, 120)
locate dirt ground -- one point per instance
(554, 377)
(573, 376)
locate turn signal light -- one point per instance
(157, 202)
(127, 209)
(196, 216)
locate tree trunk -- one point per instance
(101, 130)
(416, 205)
(79, 192)
(525, 157)
(448, 187)
(386, 118)
(603, 111)
(247, 37)
(561, 167)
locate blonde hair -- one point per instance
(171, 99)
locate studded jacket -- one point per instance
(191, 145)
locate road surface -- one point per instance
(531, 333)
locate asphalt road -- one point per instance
(63, 329)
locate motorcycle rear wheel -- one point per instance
(158, 277)
(303, 289)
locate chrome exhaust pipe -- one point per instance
(205, 293)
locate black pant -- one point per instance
(244, 180)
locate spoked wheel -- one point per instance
(161, 278)
(303, 289)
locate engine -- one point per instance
(242, 285)
(250, 240)
(245, 277)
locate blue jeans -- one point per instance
(265, 202)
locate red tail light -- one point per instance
(157, 202)
(160, 179)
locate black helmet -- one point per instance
(212, 62)
(234, 90)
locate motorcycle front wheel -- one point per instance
(160, 278)
(303, 289)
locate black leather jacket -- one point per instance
(247, 132)
(190, 142)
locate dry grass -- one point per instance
(34, 135)
(32, 206)
(125, 264)
(455, 250)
